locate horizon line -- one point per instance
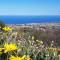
(29, 15)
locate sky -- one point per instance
(29, 7)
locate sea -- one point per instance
(9, 19)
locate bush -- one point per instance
(2, 24)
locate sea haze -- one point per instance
(29, 19)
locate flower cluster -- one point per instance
(16, 45)
(9, 47)
(6, 28)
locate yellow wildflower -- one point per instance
(9, 47)
(17, 58)
(14, 58)
(28, 58)
(7, 28)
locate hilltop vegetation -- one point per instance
(46, 36)
(29, 43)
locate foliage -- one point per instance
(2, 24)
(18, 45)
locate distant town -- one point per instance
(37, 26)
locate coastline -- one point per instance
(31, 24)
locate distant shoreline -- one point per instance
(34, 24)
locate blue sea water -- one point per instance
(29, 19)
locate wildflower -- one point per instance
(32, 37)
(17, 58)
(14, 33)
(52, 49)
(28, 58)
(14, 58)
(19, 50)
(40, 42)
(10, 47)
(7, 28)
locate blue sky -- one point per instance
(29, 7)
